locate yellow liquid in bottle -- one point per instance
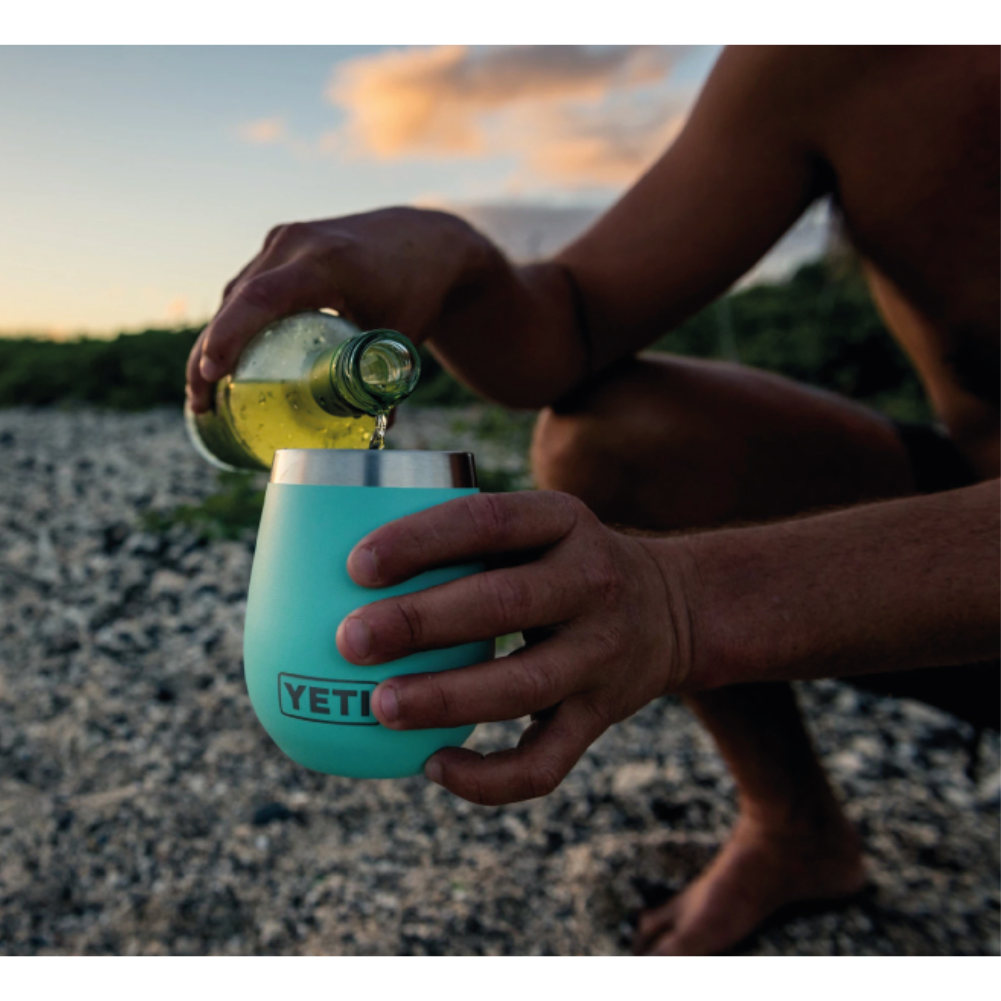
(270, 415)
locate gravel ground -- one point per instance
(144, 810)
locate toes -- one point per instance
(664, 946)
(677, 944)
(653, 925)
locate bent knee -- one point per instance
(568, 451)
(597, 443)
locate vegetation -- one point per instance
(819, 327)
(130, 372)
(230, 513)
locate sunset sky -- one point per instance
(134, 182)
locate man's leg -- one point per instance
(664, 444)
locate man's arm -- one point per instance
(890, 586)
(741, 172)
(743, 169)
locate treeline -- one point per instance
(129, 372)
(819, 327)
(136, 371)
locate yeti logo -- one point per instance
(326, 700)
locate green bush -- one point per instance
(131, 372)
(230, 513)
(819, 327)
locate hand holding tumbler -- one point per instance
(315, 705)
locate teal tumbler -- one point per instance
(315, 705)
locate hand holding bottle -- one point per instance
(507, 332)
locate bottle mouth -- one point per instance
(389, 366)
(369, 374)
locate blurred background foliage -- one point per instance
(819, 327)
(232, 512)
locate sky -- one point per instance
(135, 181)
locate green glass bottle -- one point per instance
(312, 380)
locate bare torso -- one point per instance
(913, 144)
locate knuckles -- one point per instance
(574, 513)
(261, 293)
(288, 236)
(495, 517)
(601, 714)
(492, 517)
(273, 235)
(410, 625)
(540, 781)
(603, 578)
(510, 593)
(539, 681)
(426, 702)
(543, 778)
(608, 643)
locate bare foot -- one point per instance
(756, 873)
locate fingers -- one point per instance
(260, 300)
(547, 751)
(653, 925)
(199, 390)
(462, 529)
(529, 681)
(250, 268)
(477, 607)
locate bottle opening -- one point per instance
(387, 367)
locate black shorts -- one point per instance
(970, 691)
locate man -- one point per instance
(903, 577)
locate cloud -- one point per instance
(607, 145)
(264, 131)
(575, 115)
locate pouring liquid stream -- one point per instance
(378, 440)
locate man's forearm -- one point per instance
(901, 584)
(513, 334)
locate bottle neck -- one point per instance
(369, 373)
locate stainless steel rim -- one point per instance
(345, 467)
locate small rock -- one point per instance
(629, 778)
(274, 813)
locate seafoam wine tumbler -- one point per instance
(315, 705)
